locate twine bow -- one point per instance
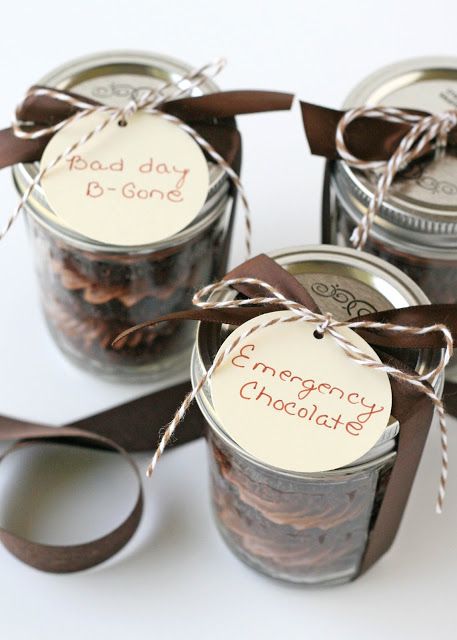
(426, 133)
(148, 101)
(325, 324)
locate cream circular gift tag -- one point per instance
(297, 402)
(130, 185)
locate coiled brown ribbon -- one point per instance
(133, 426)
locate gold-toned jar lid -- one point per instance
(113, 78)
(423, 199)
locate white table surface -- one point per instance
(176, 578)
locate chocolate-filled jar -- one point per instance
(416, 229)
(309, 528)
(91, 291)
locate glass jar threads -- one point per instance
(310, 528)
(92, 291)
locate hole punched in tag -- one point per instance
(122, 123)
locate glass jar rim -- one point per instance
(408, 236)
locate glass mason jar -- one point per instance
(91, 291)
(416, 229)
(309, 528)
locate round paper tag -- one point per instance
(297, 402)
(128, 185)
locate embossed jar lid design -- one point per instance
(423, 199)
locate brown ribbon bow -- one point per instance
(366, 138)
(212, 116)
(410, 406)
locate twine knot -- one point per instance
(426, 133)
(325, 324)
(448, 120)
(149, 99)
(132, 107)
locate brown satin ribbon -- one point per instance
(133, 426)
(366, 138)
(411, 407)
(211, 115)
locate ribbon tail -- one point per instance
(418, 316)
(366, 138)
(219, 316)
(228, 104)
(14, 149)
(414, 411)
(320, 125)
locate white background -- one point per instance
(176, 578)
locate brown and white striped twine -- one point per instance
(325, 323)
(425, 132)
(148, 102)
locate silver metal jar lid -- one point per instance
(346, 282)
(113, 78)
(422, 202)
